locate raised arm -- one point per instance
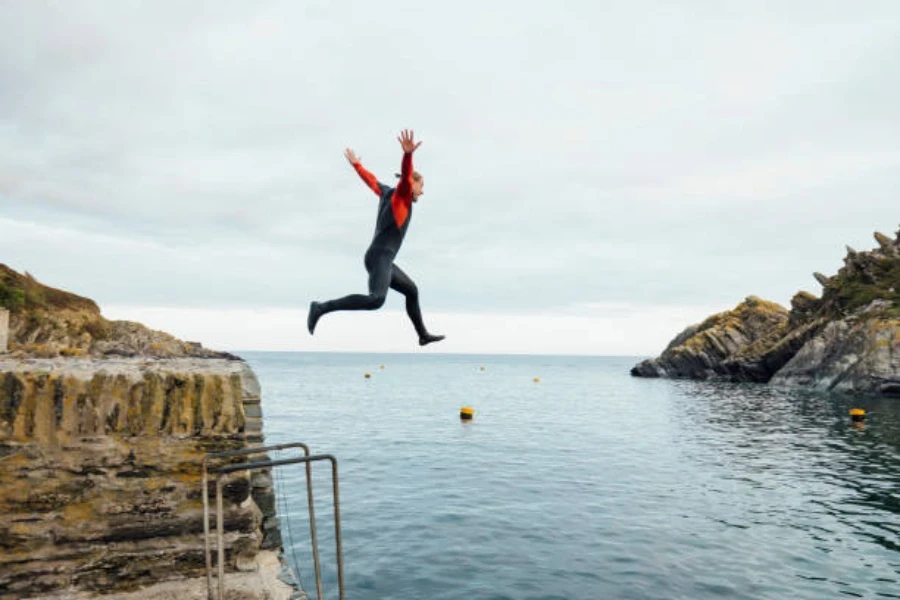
(365, 175)
(409, 145)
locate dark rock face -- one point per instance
(712, 349)
(854, 354)
(849, 339)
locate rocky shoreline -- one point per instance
(100, 478)
(847, 340)
(103, 429)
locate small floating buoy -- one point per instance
(482, 367)
(466, 413)
(381, 367)
(537, 379)
(368, 375)
(857, 415)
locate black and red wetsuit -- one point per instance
(392, 221)
(394, 208)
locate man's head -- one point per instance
(418, 182)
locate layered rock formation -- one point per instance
(100, 453)
(849, 339)
(100, 480)
(713, 347)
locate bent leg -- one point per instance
(402, 283)
(379, 280)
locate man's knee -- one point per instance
(376, 301)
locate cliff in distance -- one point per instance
(847, 340)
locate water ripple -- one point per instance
(591, 484)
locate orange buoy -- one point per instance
(857, 415)
(466, 413)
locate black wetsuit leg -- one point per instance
(383, 275)
(402, 283)
(379, 265)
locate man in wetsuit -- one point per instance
(394, 212)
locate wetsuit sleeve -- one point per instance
(404, 188)
(368, 178)
(401, 200)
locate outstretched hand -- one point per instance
(407, 142)
(351, 156)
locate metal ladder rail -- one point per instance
(224, 470)
(309, 497)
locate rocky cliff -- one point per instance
(103, 427)
(46, 322)
(849, 339)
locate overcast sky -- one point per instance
(598, 175)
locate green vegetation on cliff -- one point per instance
(23, 293)
(47, 322)
(865, 279)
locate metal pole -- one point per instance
(220, 537)
(221, 471)
(312, 517)
(209, 590)
(312, 528)
(337, 526)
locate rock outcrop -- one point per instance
(711, 348)
(46, 322)
(858, 354)
(100, 479)
(103, 427)
(849, 339)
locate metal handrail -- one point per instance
(220, 541)
(309, 495)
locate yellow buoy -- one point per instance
(482, 367)
(368, 375)
(466, 413)
(537, 379)
(857, 414)
(381, 367)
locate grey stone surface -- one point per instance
(4, 330)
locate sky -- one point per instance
(598, 175)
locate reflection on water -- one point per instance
(802, 445)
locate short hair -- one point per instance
(415, 175)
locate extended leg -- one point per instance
(402, 283)
(379, 279)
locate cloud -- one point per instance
(681, 154)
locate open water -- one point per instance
(587, 484)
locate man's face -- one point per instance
(417, 185)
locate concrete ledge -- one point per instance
(262, 584)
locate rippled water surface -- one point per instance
(587, 484)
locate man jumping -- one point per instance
(394, 212)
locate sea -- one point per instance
(576, 481)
